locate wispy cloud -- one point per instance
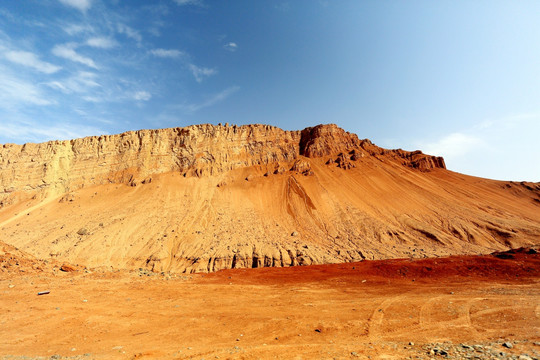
(212, 100)
(67, 51)
(488, 148)
(232, 46)
(81, 5)
(31, 60)
(20, 20)
(17, 91)
(71, 77)
(481, 135)
(166, 53)
(7, 15)
(101, 42)
(81, 82)
(142, 96)
(93, 99)
(200, 73)
(27, 130)
(74, 29)
(190, 2)
(453, 145)
(129, 32)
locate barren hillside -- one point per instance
(205, 198)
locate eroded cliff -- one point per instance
(57, 167)
(205, 198)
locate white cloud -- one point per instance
(453, 145)
(129, 32)
(154, 30)
(213, 100)
(58, 86)
(82, 82)
(201, 72)
(27, 130)
(101, 42)
(142, 96)
(74, 29)
(504, 148)
(7, 15)
(67, 51)
(16, 91)
(93, 99)
(232, 46)
(80, 112)
(81, 5)
(166, 53)
(29, 59)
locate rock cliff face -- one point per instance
(205, 198)
(57, 167)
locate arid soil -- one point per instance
(461, 307)
(192, 243)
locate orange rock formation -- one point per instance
(205, 198)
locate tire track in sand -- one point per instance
(376, 318)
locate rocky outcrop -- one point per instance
(418, 160)
(303, 167)
(57, 167)
(414, 159)
(323, 140)
(205, 198)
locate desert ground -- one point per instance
(460, 307)
(251, 242)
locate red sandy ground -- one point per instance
(389, 309)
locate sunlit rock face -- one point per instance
(205, 198)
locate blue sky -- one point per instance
(460, 79)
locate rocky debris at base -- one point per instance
(162, 275)
(15, 261)
(523, 350)
(68, 268)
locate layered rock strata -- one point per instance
(205, 198)
(57, 167)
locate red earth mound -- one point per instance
(509, 265)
